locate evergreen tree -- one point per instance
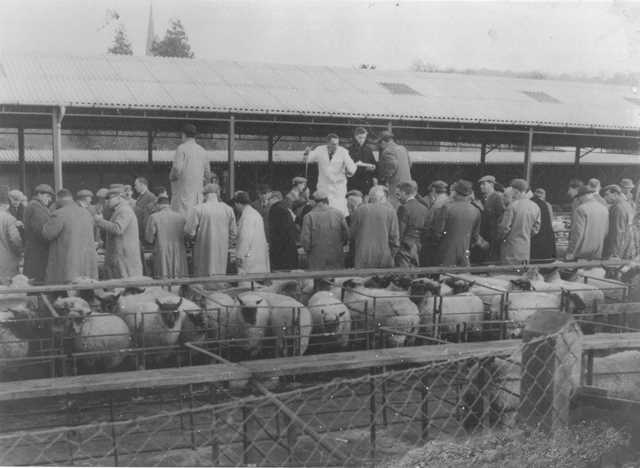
(121, 44)
(174, 44)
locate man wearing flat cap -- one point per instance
(122, 257)
(621, 238)
(437, 197)
(36, 247)
(589, 227)
(520, 221)
(72, 249)
(412, 218)
(10, 243)
(283, 236)
(493, 208)
(189, 173)
(334, 166)
(298, 197)
(212, 224)
(164, 231)
(456, 227)
(543, 244)
(252, 250)
(324, 235)
(394, 165)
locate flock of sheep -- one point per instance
(102, 327)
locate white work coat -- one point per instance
(332, 174)
(252, 246)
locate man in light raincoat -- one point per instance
(252, 250)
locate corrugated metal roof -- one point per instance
(117, 81)
(82, 156)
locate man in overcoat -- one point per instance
(620, 240)
(189, 173)
(362, 154)
(324, 235)
(394, 165)
(438, 196)
(543, 244)
(122, 257)
(520, 221)
(493, 208)
(589, 227)
(252, 250)
(283, 236)
(10, 245)
(457, 226)
(72, 250)
(412, 217)
(36, 247)
(165, 232)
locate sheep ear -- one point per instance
(240, 300)
(342, 313)
(179, 302)
(259, 301)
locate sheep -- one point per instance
(267, 314)
(331, 317)
(383, 306)
(15, 334)
(460, 307)
(221, 315)
(618, 373)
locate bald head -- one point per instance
(377, 194)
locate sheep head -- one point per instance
(378, 282)
(523, 284)
(422, 286)
(324, 284)
(108, 300)
(401, 282)
(458, 286)
(575, 304)
(19, 281)
(169, 310)
(249, 308)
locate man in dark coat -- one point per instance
(543, 244)
(412, 217)
(362, 155)
(438, 196)
(589, 228)
(620, 241)
(145, 203)
(457, 226)
(72, 251)
(16, 209)
(165, 232)
(36, 247)
(493, 208)
(324, 235)
(283, 235)
(394, 165)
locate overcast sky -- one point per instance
(556, 37)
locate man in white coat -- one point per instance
(189, 173)
(334, 166)
(252, 251)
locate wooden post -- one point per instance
(527, 157)
(483, 159)
(231, 144)
(551, 369)
(150, 153)
(56, 130)
(22, 161)
(270, 145)
(576, 162)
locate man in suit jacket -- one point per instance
(145, 203)
(36, 247)
(412, 217)
(283, 237)
(394, 165)
(362, 155)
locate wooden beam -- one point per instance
(483, 158)
(56, 130)
(528, 166)
(231, 145)
(22, 161)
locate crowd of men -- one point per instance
(365, 213)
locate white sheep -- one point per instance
(104, 334)
(329, 316)
(268, 314)
(15, 333)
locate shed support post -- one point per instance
(527, 157)
(576, 162)
(231, 144)
(390, 126)
(21, 160)
(270, 145)
(483, 158)
(150, 153)
(56, 130)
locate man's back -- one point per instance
(458, 224)
(213, 217)
(374, 227)
(589, 229)
(169, 226)
(189, 173)
(412, 217)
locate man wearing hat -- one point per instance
(16, 204)
(261, 203)
(145, 203)
(595, 187)
(36, 247)
(164, 231)
(189, 173)
(252, 250)
(493, 208)
(412, 218)
(394, 165)
(72, 250)
(437, 197)
(589, 227)
(122, 257)
(374, 230)
(298, 197)
(283, 236)
(520, 221)
(620, 241)
(324, 235)
(456, 227)
(362, 154)
(334, 166)
(212, 224)
(10, 244)
(543, 244)
(626, 185)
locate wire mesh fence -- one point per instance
(321, 420)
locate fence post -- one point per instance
(424, 407)
(551, 369)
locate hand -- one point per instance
(19, 224)
(570, 257)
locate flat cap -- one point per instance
(540, 192)
(241, 197)
(463, 187)
(44, 188)
(626, 184)
(163, 200)
(298, 180)
(211, 188)
(519, 184)
(102, 193)
(84, 193)
(354, 193)
(385, 135)
(115, 191)
(320, 195)
(115, 186)
(487, 178)
(439, 185)
(615, 188)
(584, 190)
(15, 194)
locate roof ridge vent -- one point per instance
(541, 96)
(398, 88)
